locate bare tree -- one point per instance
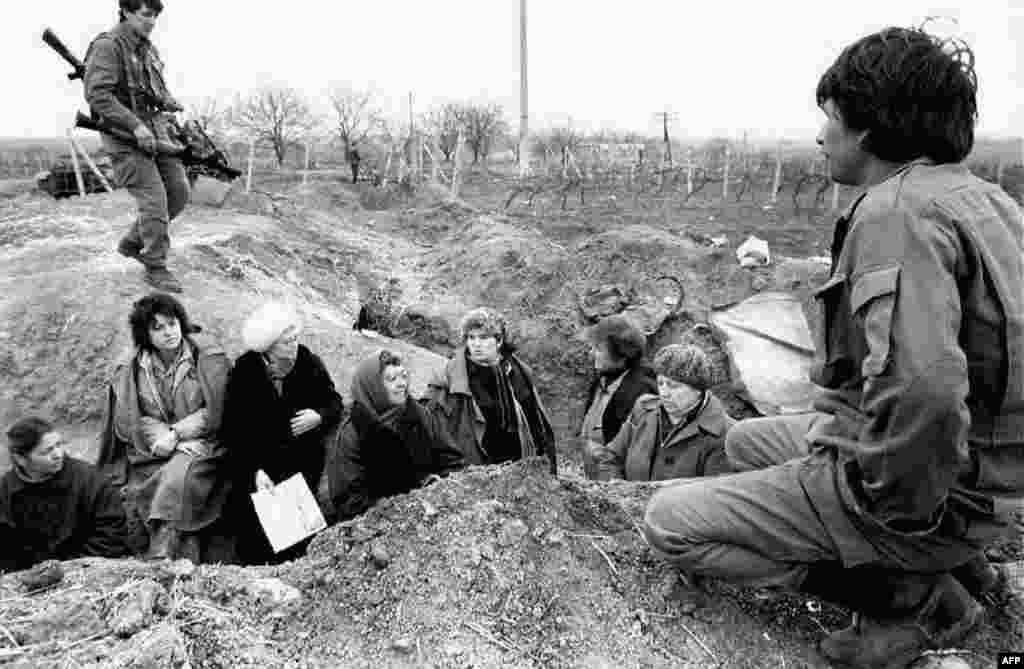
(481, 125)
(211, 114)
(356, 114)
(443, 123)
(278, 116)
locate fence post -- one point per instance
(74, 163)
(778, 173)
(725, 173)
(252, 158)
(305, 172)
(999, 172)
(456, 175)
(835, 195)
(92, 165)
(689, 171)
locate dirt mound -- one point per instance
(491, 567)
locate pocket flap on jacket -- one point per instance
(870, 285)
(836, 279)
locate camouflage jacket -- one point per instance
(922, 349)
(124, 82)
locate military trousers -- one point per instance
(161, 191)
(783, 512)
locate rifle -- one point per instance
(190, 144)
(51, 39)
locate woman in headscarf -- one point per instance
(390, 444)
(679, 433)
(281, 407)
(487, 399)
(161, 433)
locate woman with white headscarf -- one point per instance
(281, 405)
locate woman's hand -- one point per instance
(304, 421)
(193, 447)
(165, 443)
(263, 482)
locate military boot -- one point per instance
(944, 617)
(130, 249)
(162, 279)
(982, 579)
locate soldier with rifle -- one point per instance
(125, 89)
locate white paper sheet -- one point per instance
(289, 513)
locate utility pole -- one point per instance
(524, 115)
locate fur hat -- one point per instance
(685, 363)
(265, 325)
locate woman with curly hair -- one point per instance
(161, 435)
(487, 398)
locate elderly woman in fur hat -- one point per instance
(281, 406)
(161, 433)
(679, 433)
(487, 399)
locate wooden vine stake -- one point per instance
(689, 171)
(777, 182)
(835, 195)
(74, 163)
(92, 165)
(252, 159)
(456, 168)
(725, 173)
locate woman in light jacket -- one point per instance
(161, 436)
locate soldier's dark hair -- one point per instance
(132, 6)
(622, 339)
(26, 434)
(914, 93)
(144, 313)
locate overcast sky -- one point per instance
(726, 67)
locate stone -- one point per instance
(273, 594)
(379, 556)
(135, 609)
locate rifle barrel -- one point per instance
(54, 43)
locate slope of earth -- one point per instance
(491, 567)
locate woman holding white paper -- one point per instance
(390, 444)
(280, 409)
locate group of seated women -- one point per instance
(188, 437)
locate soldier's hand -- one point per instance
(145, 138)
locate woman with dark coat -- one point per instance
(486, 397)
(622, 377)
(390, 444)
(281, 406)
(52, 506)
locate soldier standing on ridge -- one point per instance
(124, 86)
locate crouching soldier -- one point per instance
(883, 499)
(52, 506)
(678, 433)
